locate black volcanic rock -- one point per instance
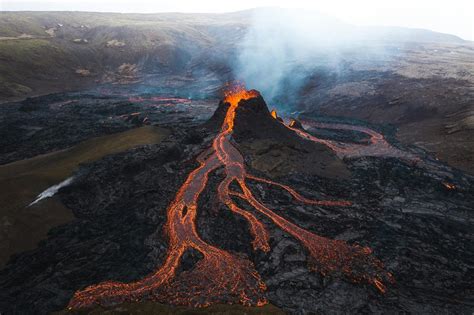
(421, 231)
(253, 121)
(58, 121)
(273, 148)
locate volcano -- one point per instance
(253, 120)
(247, 210)
(220, 277)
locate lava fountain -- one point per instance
(220, 276)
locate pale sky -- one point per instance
(446, 16)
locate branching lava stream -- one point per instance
(222, 277)
(378, 146)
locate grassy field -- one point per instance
(27, 60)
(20, 182)
(42, 51)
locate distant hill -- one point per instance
(401, 34)
(43, 52)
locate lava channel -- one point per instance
(222, 277)
(378, 146)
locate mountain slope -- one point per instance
(54, 51)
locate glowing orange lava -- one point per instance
(222, 277)
(377, 146)
(449, 186)
(274, 114)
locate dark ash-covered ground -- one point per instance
(420, 229)
(58, 121)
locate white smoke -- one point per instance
(51, 191)
(279, 40)
(282, 47)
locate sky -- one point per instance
(446, 16)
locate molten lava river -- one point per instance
(377, 145)
(220, 276)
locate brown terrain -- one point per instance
(23, 226)
(427, 93)
(422, 84)
(127, 107)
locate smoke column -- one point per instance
(282, 47)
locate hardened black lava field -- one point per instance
(399, 211)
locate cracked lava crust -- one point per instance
(220, 276)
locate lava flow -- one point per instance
(161, 100)
(222, 277)
(378, 146)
